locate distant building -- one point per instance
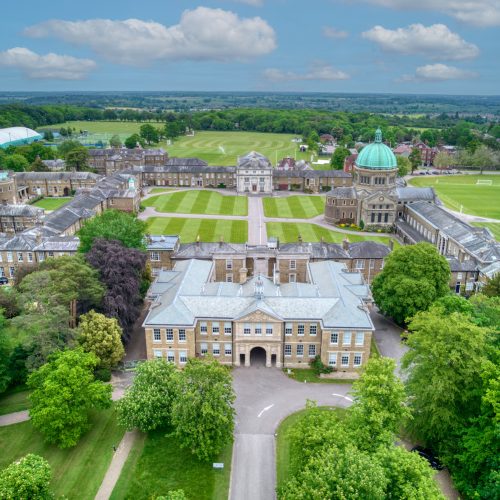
(17, 136)
(254, 174)
(292, 164)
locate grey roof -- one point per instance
(54, 163)
(368, 250)
(188, 169)
(491, 270)
(205, 250)
(58, 244)
(186, 162)
(253, 160)
(20, 211)
(56, 176)
(162, 242)
(19, 242)
(308, 174)
(410, 231)
(334, 297)
(415, 193)
(343, 192)
(458, 266)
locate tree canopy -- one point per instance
(338, 157)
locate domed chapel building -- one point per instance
(373, 198)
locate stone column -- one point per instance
(237, 357)
(247, 356)
(268, 356)
(278, 357)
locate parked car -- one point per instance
(4, 280)
(429, 456)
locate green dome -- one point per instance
(377, 155)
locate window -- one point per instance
(171, 356)
(292, 278)
(332, 359)
(9, 257)
(345, 360)
(30, 257)
(203, 328)
(372, 264)
(203, 349)
(293, 264)
(182, 335)
(229, 278)
(300, 329)
(269, 329)
(157, 353)
(300, 350)
(312, 350)
(228, 349)
(288, 350)
(246, 329)
(360, 264)
(2, 272)
(215, 328)
(12, 271)
(258, 329)
(156, 335)
(459, 276)
(169, 334)
(358, 357)
(360, 338)
(313, 329)
(347, 338)
(228, 329)
(288, 328)
(229, 264)
(154, 256)
(334, 338)
(183, 357)
(215, 349)
(51, 254)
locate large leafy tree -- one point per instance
(147, 403)
(27, 478)
(492, 288)
(15, 162)
(379, 404)
(113, 225)
(415, 159)
(338, 157)
(412, 279)
(149, 133)
(203, 413)
(102, 336)
(77, 159)
(121, 270)
(132, 141)
(64, 391)
(404, 165)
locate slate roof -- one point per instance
(205, 250)
(368, 250)
(343, 193)
(20, 211)
(162, 242)
(57, 176)
(186, 162)
(457, 266)
(415, 193)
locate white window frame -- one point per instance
(292, 278)
(228, 328)
(156, 335)
(169, 334)
(228, 349)
(288, 350)
(182, 336)
(247, 329)
(360, 338)
(203, 328)
(360, 264)
(157, 353)
(313, 330)
(258, 329)
(293, 265)
(203, 348)
(332, 359)
(311, 350)
(170, 356)
(357, 355)
(154, 256)
(20, 257)
(347, 338)
(269, 329)
(216, 349)
(332, 334)
(288, 329)
(229, 264)
(301, 329)
(300, 350)
(183, 357)
(215, 328)
(342, 356)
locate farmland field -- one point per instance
(199, 202)
(494, 227)
(233, 231)
(461, 191)
(288, 232)
(294, 207)
(217, 148)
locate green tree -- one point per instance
(379, 406)
(415, 159)
(38, 166)
(113, 225)
(443, 367)
(15, 162)
(172, 130)
(484, 157)
(48, 136)
(404, 166)
(148, 401)
(338, 157)
(132, 141)
(203, 413)
(77, 159)
(149, 133)
(67, 146)
(412, 279)
(5, 351)
(492, 287)
(115, 141)
(27, 478)
(101, 336)
(64, 391)
(443, 160)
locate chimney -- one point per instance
(243, 275)
(345, 244)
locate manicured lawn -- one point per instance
(14, 400)
(294, 207)
(157, 465)
(494, 227)
(233, 231)
(461, 191)
(284, 460)
(199, 202)
(288, 232)
(52, 203)
(161, 190)
(77, 472)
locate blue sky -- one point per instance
(441, 46)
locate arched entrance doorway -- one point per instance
(66, 191)
(258, 356)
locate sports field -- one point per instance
(232, 231)
(294, 207)
(288, 232)
(494, 227)
(217, 148)
(51, 203)
(199, 202)
(462, 192)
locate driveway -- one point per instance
(264, 397)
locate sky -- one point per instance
(358, 46)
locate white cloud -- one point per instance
(435, 41)
(331, 32)
(202, 34)
(318, 71)
(48, 66)
(476, 12)
(438, 73)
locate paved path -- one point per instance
(257, 233)
(115, 467)
(14, 418)
(264, 397)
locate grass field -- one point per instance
(199, 202)
(77, 472)
(494, 227)
(217, 148)
(233, 231)
(51, 203)
(294, 207)
(157, 465)
(15, 400)
(461, 191)
(288, 232)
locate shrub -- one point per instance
(318, 366)
(103, 374)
